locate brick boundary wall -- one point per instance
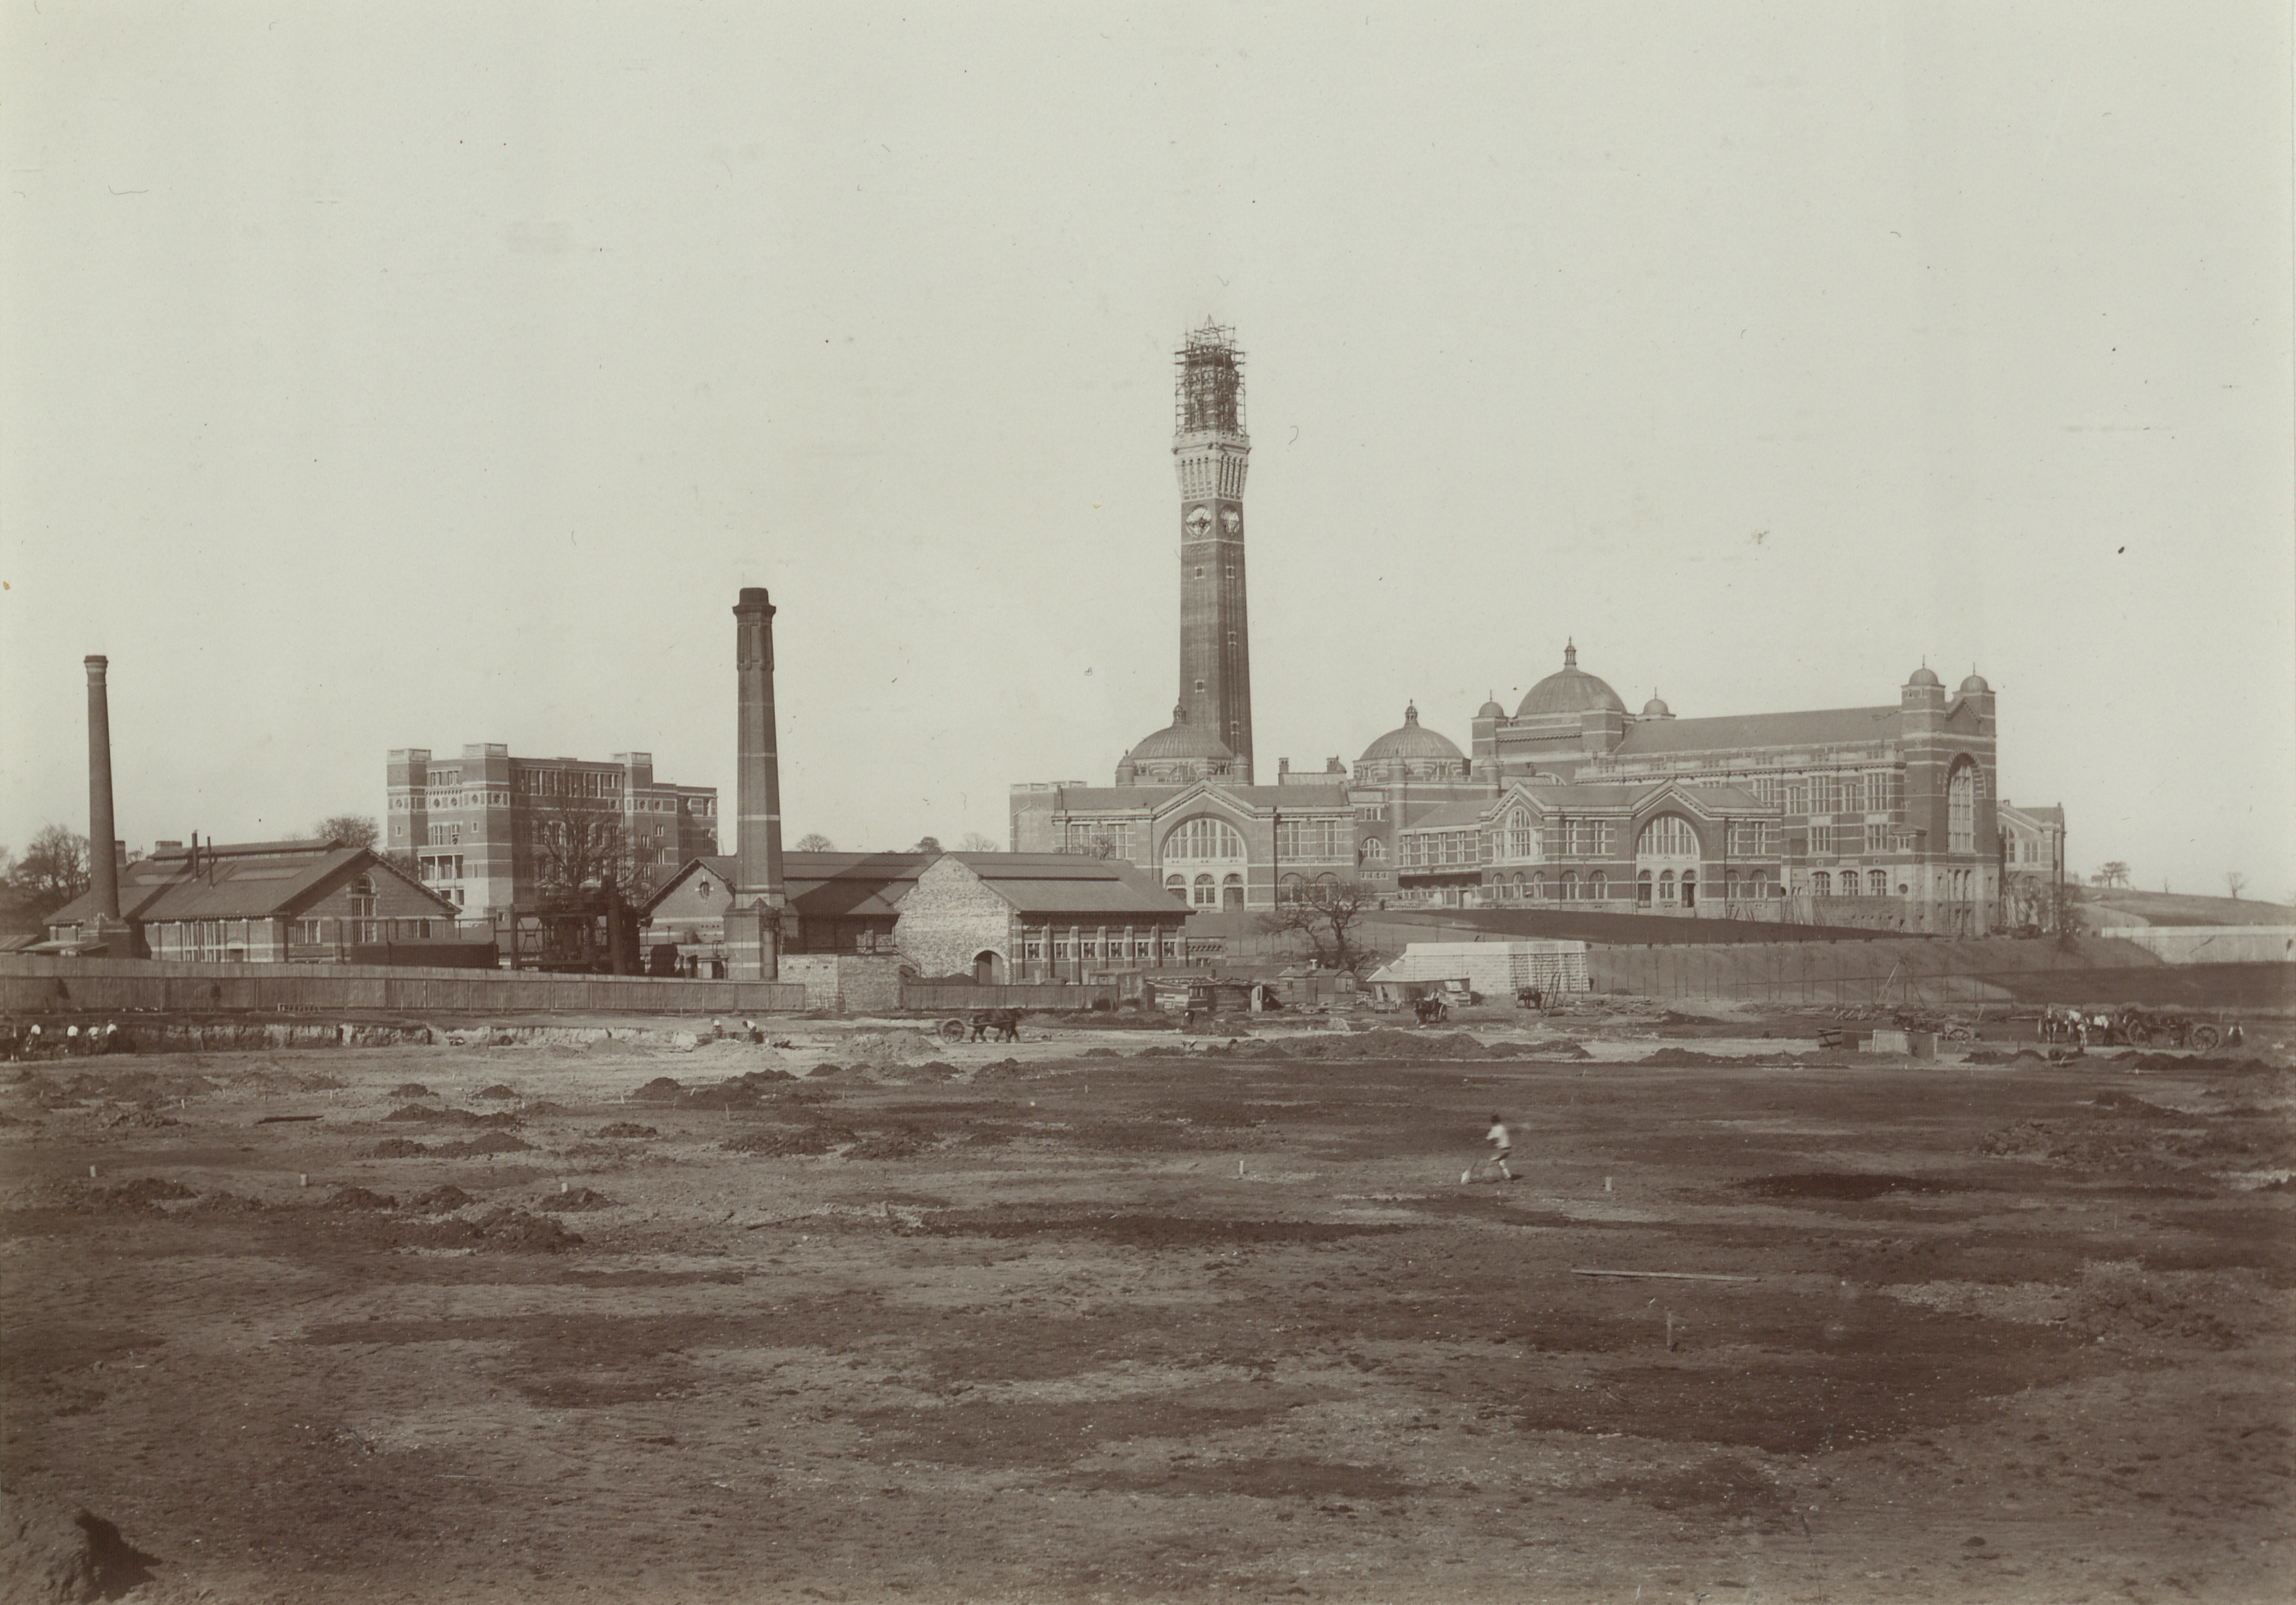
(33, 984)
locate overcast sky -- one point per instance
(411, 375)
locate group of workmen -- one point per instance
(51, 1039)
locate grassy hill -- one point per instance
(2106, 905)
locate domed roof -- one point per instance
(1407, 740)
(1177, 741)
(1974, 686)
(1491, 710)
(1923, 676)
(1569, 690)
(1656, 709)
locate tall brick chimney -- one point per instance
(102, 857)
(753, 925)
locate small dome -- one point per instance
(1923, 676)
(1974, 686)
(1569, 690)
(1656, 709)
(1491, 710)
(1179, 740)
(1409, 742)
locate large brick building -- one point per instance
(1882, 815)
(472, 823)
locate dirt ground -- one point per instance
(1111, 1316)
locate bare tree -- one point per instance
(813, 842)
(976, 841)
(349, 830)
(581, 844)
(2235, 883)
(2115, 873)
(1330, 914)
(53, 870)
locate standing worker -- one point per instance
(1501, 1146)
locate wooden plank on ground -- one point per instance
(1666, 1275)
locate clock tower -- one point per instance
(1211, 452)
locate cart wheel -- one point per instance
(1961, 1034)
(951, 1030)
(2206, 1038)
(2138, 1036)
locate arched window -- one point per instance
(1598, 887)
(1877, 884)
(1207, 894)
(1821, 884)
(1203, 837)
(1666, 885)
(1232, 892)
(1961, 808)
(1521, 835)
(1538, 888)
(1730, 887)
(1570, 885)
(1668, 836)
(1690, 889)
(1177, 885)
(1849, 884)
(1374, 851)
(1288, 891)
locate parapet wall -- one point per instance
(1842, 973)
(2211, 943)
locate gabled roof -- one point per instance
(242, 880)
(1051, 885)
(1824, 726)
(863, 885)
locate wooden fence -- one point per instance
(956, 997)
(33, 984)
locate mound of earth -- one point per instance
(412, 1089)
(359, 1197)
(1002, 1070)
(800, 1139)
(496, 1091)
(624, 1128)
(899, 1142)
(49, 1551)
(661, 1089)
(576, 1199)
(397, 1147)
(220, 1202)
(494, 1142)
(439, 1200)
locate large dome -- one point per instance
(1410, 743)
(1178, 740)
(1569, 690)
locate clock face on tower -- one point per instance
(1231, 520)
(1199, 520)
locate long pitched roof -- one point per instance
(862, 885)
(1815, 727)
(244, 881)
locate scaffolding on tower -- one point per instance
(1208, 398)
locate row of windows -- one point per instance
(1095, 949)
(1845, 884)
(1320, 836)
(1204, 892)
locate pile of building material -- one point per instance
(1496, 970)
